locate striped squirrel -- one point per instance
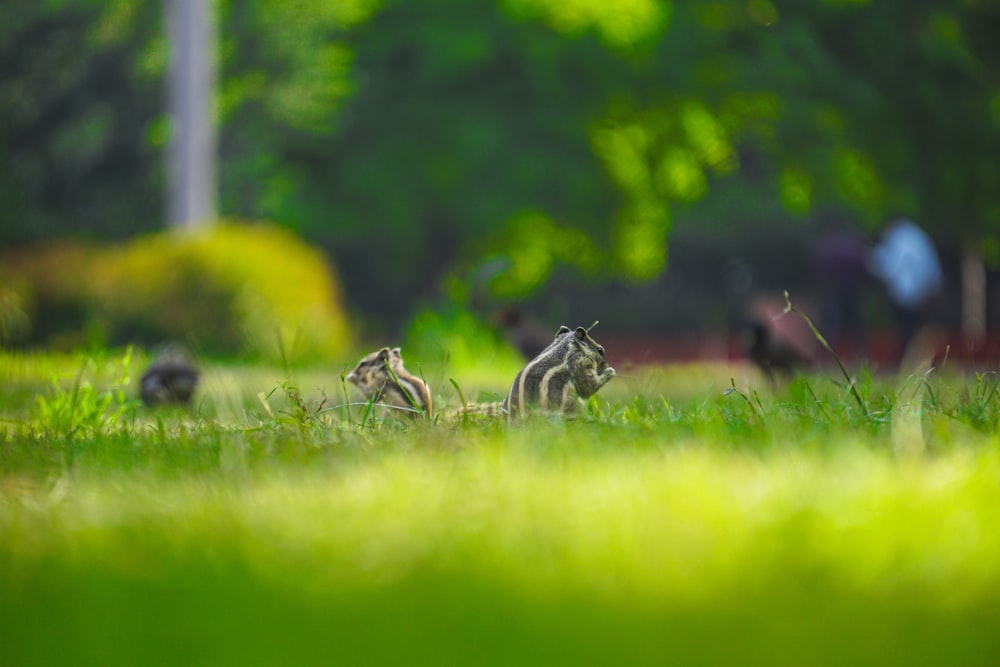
(572, 366)
(373, 376)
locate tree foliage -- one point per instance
(419, 141)
(75, 107)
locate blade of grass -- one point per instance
(852, 385)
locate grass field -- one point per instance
(689, 516)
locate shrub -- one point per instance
(49, 286)
(252, 290)
(15, 323)
(455, 341)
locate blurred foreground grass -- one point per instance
(670, 524)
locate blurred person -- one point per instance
(907, 263)
(841, 258)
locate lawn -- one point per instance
(690, 515)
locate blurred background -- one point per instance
(303, 180)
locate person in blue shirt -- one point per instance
(907, 263)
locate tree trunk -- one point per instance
(973, 295)
(191, 153)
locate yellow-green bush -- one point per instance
(14, 321)
(454, 342)
(48, 284)
(253, 290)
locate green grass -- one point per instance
(672, 522)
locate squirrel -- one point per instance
(171, 378)
(572, 366)
(381, 375)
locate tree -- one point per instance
(79, 100)
(903, 96)
(420, 141)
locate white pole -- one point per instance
(191, 153)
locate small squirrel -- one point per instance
(373, 378)
(572, 366)
(171, 378)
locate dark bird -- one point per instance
(522, 331)
(170, 379)
(772, 355)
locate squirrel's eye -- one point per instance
(600, 350)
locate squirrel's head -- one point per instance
(589, 351)
(370, 373)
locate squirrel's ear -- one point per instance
(396, 352)
(383, 353)
(563, 330)
(581, 333)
